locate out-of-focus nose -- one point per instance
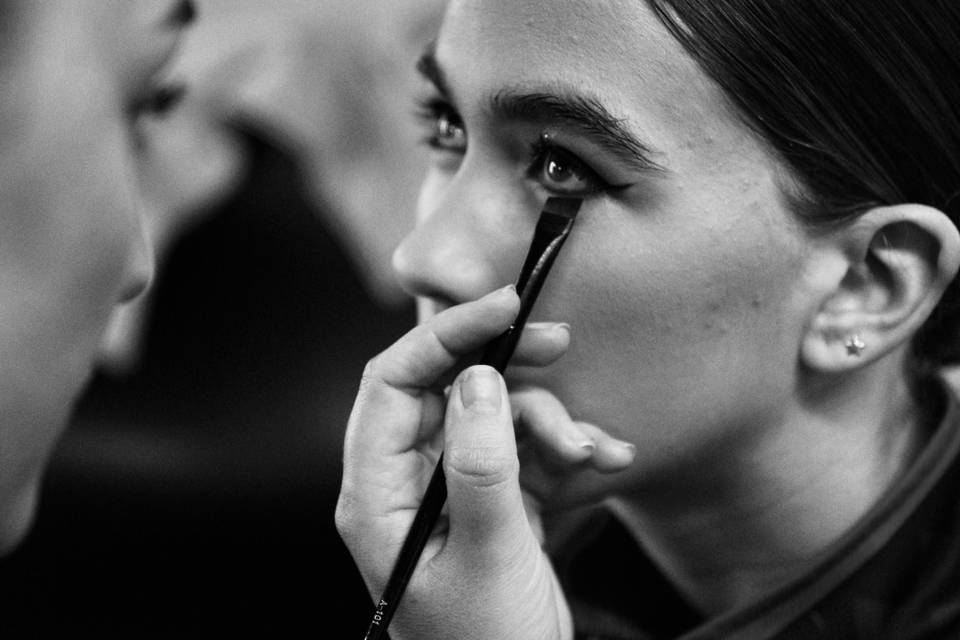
(121, 346)
(140, 269)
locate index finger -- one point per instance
(418, 359)
(392, 411)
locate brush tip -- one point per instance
(563, 206)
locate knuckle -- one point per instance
(371, 370)
(482, 466)
(391, 370)
(372, 380)
(344, 516)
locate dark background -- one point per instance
(195, 496)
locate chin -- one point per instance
(16, 517)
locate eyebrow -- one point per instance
(583, 113)
(430, 69)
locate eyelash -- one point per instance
(430, 112)
(544, 153)
(433, 111)
(158, 101)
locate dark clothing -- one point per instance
(895, 575)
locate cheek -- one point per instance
(664, 323)
(67, 226)
(67, 222)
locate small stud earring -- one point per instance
(855, 345)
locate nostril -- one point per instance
(123, 340)
(140, 270)
(137, 282)
(132, 292)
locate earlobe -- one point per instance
(899, 260)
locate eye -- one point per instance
(444, 126)
(159, 101)
(559, 171)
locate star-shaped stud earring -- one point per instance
(855, 345)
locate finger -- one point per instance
(396, 410)
(559, 481)
(486, 512)
(531, 505)
(611, 454)
(426, 352)
(392, 412)
(542, 418)
(562, 441)
(541, 343)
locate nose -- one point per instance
(122, 342)
(468, 242)
(140, 267)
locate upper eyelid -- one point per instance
(428, 109)
(544, 145)
(433, 105)
(580, 115)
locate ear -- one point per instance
(894, 264)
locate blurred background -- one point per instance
(194, 492)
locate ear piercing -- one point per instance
(855, 345)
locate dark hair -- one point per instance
(861, 99)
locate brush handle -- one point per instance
(423, 523)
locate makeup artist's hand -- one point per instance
(560, 457)
(483, 573)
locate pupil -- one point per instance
(557, 170)
(446, 128)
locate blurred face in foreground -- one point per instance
(79, 80)
(683, 280)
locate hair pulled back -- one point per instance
(860, 98)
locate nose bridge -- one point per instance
(461, 247)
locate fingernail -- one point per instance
(587, 445)
(549, 326)
(480, 390)
(628, 447)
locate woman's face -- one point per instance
(77, 78)
(683, 277)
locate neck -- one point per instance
(755, 515)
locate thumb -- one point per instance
(480, 460)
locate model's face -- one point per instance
(683, 277)
(76, 77)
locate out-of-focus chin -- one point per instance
(16, 516)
